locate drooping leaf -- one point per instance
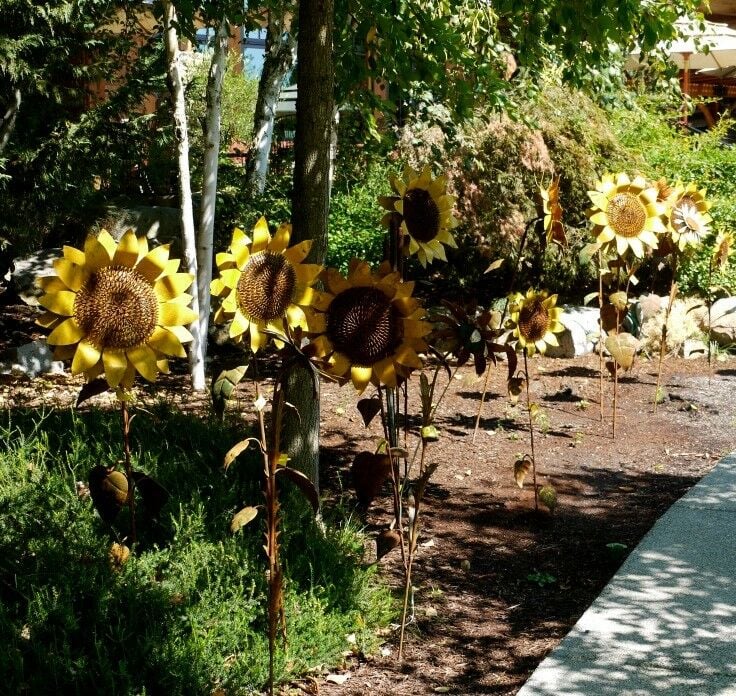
(154, 495)
(236, 450)
(423, 480)
(93, 388)
(430, 434)
(515, 386)
(623, 349)
(548, 497)
(109, 491)
(522, 467)
(620, 300)
(369, 408)
(387, 541)
(425, 392)
(496, 264)
(590, 297)
(370, 472)
(242, 517)
(302, 482)
(611, 318)
(224, 386)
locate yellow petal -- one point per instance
(386, 372)
(258, 340)
(361, 376)
(339, 364)
(85, 357)
(127, 252)
(144, 360)
(72, 275)
(153, 264)
(239, 240)
(170, 286)
(66, 333)
(224, 260)
(173, 313)
(115, 364)
(296, 317)
(96, 254)
(335, 282)
(166, 342)
(181, 332)
(281, 238)
(61, 302)
(74, 255)
(297, 253)
(51, 284)
(416, 329)
(48, 320)
(129, 376)
(405, 305)
(242, 256)
(261, 236)
(321, 346)
(230, 277)
(307, 273)
(406, 355)
(239, 325)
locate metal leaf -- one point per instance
(109, 491)
(369, 408)
(387, 541)
(496, 264)
(224, 386)
(242, 517)
(522, 467)
(620, 300)
(302, 482)
(93, 388)
(236, 450)
(548, 497)
(370, 471)
(623, 349)
(154, 495)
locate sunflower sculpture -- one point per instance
(689, 217)
(424, 210)
(534, 321)
(372, 329)
(265, 285)
(117, 309)
(552, 211)
(626, 214)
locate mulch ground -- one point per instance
(498, 585)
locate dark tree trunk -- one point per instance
(311, 200)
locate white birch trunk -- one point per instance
(7, 122)
(188, 236)
(278, 60)
(209, 186)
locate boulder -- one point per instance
(580, 335)
(160, 224)
(23, 280)
(694, 348)
(32, 359)
(723, 321)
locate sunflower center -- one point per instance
(686, 218)
(533, 321)
(266, 286)
(116, 308)
(363, 325)
(421, 214)
(626, 215)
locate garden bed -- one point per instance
(498, 585)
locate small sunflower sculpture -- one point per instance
(117, 309)
(534, 319)
(264, 284)
(372, 329)
(722, 250)
(552, 211)
(689, 217)
(626, 214)
(424, 208)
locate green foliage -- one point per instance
(664, 150)
(186, 613)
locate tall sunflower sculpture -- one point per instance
(371, 329)
(264, 284)
(423, 208)
(689, 220)
(534, 321)
(117, 309)
(626, 214)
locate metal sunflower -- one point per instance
(534, 320)
(626, 214)
(424, 210)
(117, 308)
(552, 210)
(371, 329)
(689, 218)
(264, 283)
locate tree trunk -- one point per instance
(209, 187)
(7, 122)
(188, 237)
(310, 201)
(278, 60)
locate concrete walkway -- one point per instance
(666, 623)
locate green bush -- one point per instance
(186, 614)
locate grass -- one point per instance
(186, 614)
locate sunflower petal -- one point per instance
(85, 357)
(297, 253)
(166, 342)
(307, 273)
(173, 313)
(153, 264)
(385, 370)
(258, 339)
(115, 364)
(74, 255)
(61, 302)
(51, 284)
(168, 287)
(126, 253)
(96, 254)
(296, 317)
(280, 238)
(66, 333)
(72, 276)
(360, 376)
(339, 364)
(261, 236)
(406, 355)
(144, 361)
(239, 325)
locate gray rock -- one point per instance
(32, 267)
(33, 359)
(723, 321)
(580, 335)
(158, 223)
(694, 348)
